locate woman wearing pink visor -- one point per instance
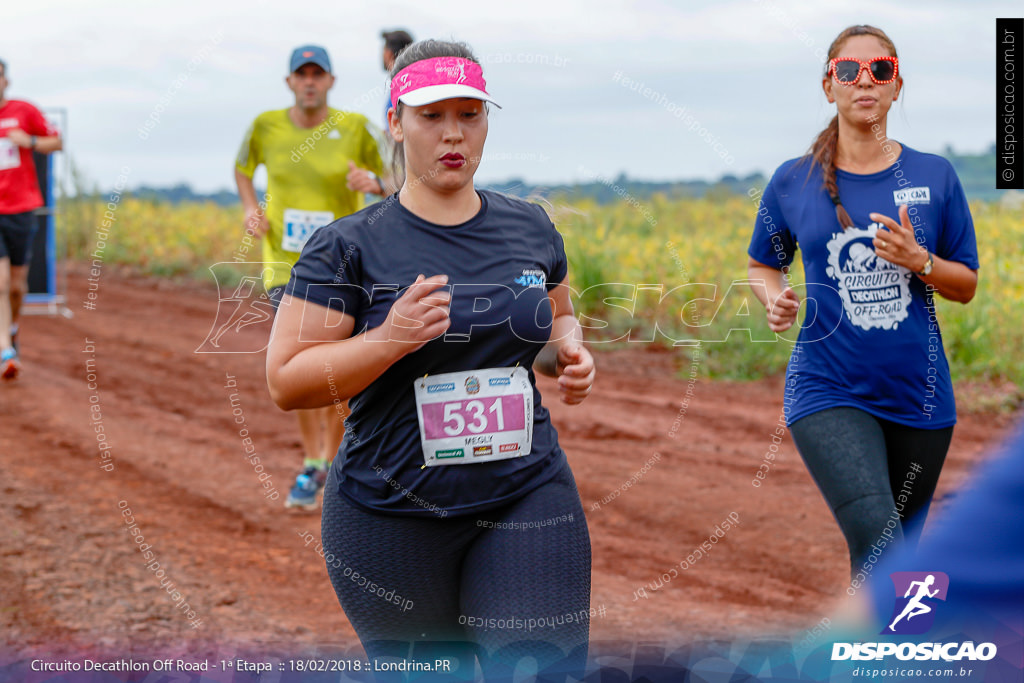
(452, 525)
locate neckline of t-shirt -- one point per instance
(472, 222)
(889, 170)
(295, 126)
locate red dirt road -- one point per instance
(72, 579)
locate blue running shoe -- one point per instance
(307, 486)
(9, 365)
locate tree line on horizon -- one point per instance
(977, 174)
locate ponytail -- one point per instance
(823, 152)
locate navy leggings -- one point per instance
(501, 585)
(863, 466)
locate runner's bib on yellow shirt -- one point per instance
(307, 173)
(299, 226)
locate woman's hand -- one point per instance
(575, 371)
(256, 223)
(419, 315)
(771, 287)
(782, 312)
(361, 180)
(896, 242)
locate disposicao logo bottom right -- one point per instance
(917, 595)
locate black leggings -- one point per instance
(877, 476)
(501, 586)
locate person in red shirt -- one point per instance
(23, 130)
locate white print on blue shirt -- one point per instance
(912, 195)
(875, 293)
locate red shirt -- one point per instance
(19, 189)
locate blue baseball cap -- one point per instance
(310, 54)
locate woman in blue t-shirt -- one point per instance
(881, 227)
(451, 513)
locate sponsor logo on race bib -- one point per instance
(508, 447)
(472, 385)
(912, 195)
(499, 381)
(439, 388)
(482, 450)
(450, 453)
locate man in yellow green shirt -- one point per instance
(320, 162)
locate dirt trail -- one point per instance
(73, 580)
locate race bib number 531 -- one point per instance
(475, 416)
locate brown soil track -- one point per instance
(72, 580)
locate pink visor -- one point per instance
(440, 78)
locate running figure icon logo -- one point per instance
(242, 302)
(916, 597)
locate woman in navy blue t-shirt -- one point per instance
(881, 228)
(450, 513)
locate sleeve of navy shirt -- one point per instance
(957, 240)
(772, 243)
(560, 264)
(328, 273)
(500, 264)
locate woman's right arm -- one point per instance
(771, 289)
(313, 360)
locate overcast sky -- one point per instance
(747, 72)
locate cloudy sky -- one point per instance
(743, 74)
